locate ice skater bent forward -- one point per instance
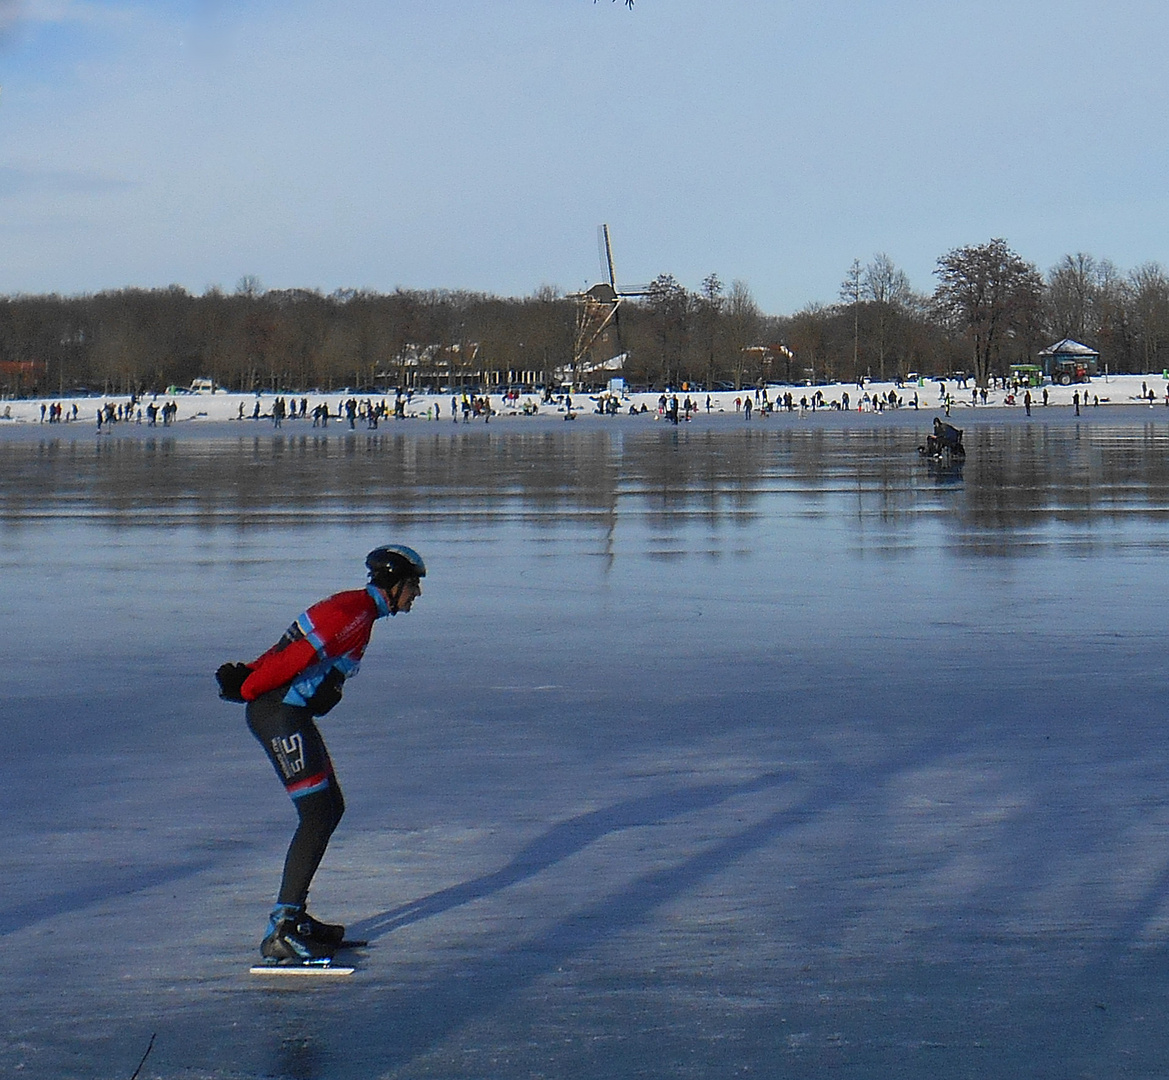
(299, 678)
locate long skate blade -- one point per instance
(300, 969)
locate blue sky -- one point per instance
(460, 144)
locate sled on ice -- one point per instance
(944, 443)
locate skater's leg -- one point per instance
(319, 813)
(293, 934)
(294, 745)
(297, 752)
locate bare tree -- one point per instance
(743, 322)
(887, 289)
(249, 285)
(339, 352)
(709, 309)
(850, 293)
(669, 303)
(1069, 295)
(809, 336)
(1111, 303)
(992, 294)
(546, 332)
(1149, 287)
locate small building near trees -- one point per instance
(1069, 361)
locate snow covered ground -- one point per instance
(1107, 390)
(709, 751)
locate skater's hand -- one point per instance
(327, 694)
(231, 680)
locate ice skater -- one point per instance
(299, 678)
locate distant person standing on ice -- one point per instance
(299, 678)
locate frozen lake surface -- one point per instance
(710, 751)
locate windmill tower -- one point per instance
(598, 346)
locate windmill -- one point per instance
(598, 328)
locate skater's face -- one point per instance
(403, 595)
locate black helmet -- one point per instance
(396, 562)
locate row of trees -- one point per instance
(139, 339)
(990, 308)
(135, 339)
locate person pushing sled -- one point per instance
(299, 678)
(946, 441)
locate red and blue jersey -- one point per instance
(330, 636)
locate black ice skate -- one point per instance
(321, 932)
(329, 934)
(289, 939)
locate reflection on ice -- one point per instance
(1014, 477)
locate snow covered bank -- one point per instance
(223, 406)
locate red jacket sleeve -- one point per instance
(276, 667)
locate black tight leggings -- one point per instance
(293, 744)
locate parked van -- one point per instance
(202, 386)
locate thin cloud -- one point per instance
(11, 15)
(17, 16)
(62, 11)
(16, 180)
(17, 13)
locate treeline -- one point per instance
(148, 339)
(989, 309)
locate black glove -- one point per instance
(327, 694)
(231, 680)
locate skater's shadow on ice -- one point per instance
(562, 842)
(108, 885)
(431, 1013)
(413, 1022)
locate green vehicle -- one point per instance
(1026, 374)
